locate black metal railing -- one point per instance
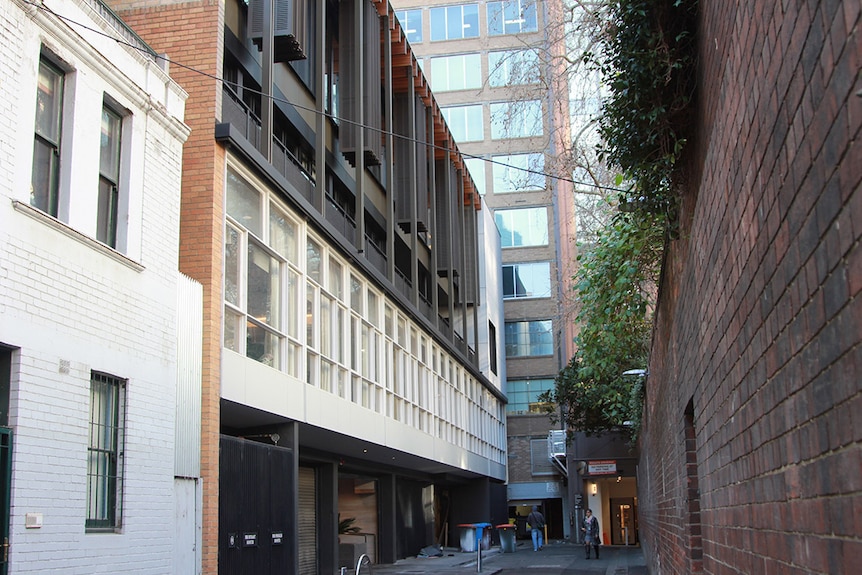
(289, 166)
(340, 220)
(235, 112)
(375, 256)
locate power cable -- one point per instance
(332, 117)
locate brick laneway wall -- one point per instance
(752, 446)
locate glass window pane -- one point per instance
(518, 173)
(106, 212)
(522, 119)
(244, 203)
(522, 227)
(282, 233)
(411, 24)
(232, 330)
(476, 167)
(335, 279)
(313, 260)
(49, 102)
(231, 264)
(527, 280)
(262, 345)
(264, 295)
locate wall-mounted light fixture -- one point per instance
(594, 488)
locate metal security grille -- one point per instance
(307, 521)
(105, 452)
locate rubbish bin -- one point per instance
(507, 537)
(472, 533)
(483, 534)
(468, 537)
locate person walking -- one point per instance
(591, 533)
(537, 528)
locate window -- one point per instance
(522, 227)
(45, 185)
(411, 23)
(524, 394)
(261, 302)
(492, 346)
(513, 67)
(512, 17)
(105, 452)
(476, 167)
(456, 73)
(516, 119)
(455, 22)
(527, 280)
(465, 123)
(529, 338)
(518, 173)
(109, 177)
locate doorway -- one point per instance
(5, 454)
(623, 521)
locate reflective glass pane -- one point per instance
(264, 295)
(244, 203)
(231, 265)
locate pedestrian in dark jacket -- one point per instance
(591, 533)
(537, 528)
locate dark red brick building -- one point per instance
(752, 442)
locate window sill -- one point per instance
(74, 234)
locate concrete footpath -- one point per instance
(557, 558)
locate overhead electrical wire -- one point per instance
(333, 117)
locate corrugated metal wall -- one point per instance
(187, 455)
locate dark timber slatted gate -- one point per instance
(255, 514)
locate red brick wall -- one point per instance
(760, 316)
(191, 35)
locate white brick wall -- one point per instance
(65, 298)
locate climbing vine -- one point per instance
(645, 54)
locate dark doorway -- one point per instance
(256, 484)
(5, 453)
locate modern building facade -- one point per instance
(494, 68)
(752, 436)
(98, 466)
(352, 374)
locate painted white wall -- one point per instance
(491, 296)
(71, 305)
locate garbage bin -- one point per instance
(507, 537)
(468, 537)
(483, 534)
(472, 533)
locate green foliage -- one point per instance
(646, 58)
(616, 283)
(346, 526)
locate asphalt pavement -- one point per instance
(557, 558)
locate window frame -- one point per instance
(513, 120)
(464, 120)
(498, 25)
(532, 215)
(513, 68)
(406, 19)
(531, 274)
(109, 200)
(105, 508)
(53, 142)
(535, 334)
(467, 65)
(448, 26)
(528, 170)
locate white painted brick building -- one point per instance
(91, 136)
